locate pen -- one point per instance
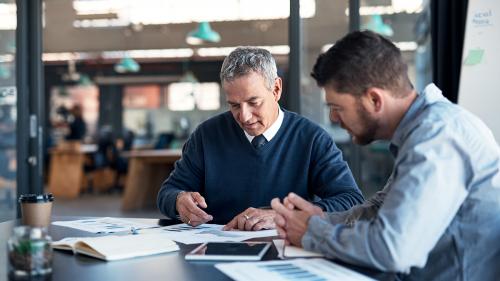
(134, 230)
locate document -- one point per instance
(114, 247)
(187, 234)
(289, 251)
(104, 225)
(297, 269)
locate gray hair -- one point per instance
(244, 60)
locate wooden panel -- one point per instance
(66, 173)
(147, 170)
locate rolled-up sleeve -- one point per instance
(422, 202)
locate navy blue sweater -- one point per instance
(219, 162)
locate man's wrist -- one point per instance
(179, 195)
(177, 199)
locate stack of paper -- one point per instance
(186, 234)
(297, 269)
(285, 252)
(103, 225)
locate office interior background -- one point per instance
(143, 84)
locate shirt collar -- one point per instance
(272, 130)
(429, 95)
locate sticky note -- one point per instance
(474, 56)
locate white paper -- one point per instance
(103, 225)
(292, 251)
(303, 269)
(186, 234)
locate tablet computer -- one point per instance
(233, 251)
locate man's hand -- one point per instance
(252, 219)
(188, 206)
(292, 224)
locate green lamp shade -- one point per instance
(202, 34)
(127, 64)
(85, 80)
(376, 24)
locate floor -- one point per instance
(88, 205)
(99, 205)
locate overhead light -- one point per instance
(127, 64)
(376, 24)
(203, 34)
(152, 12)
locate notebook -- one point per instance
(115, 247)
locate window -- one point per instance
(185, 96)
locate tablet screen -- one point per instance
(229, 251)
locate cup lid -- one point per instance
(36, 198)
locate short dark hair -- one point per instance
(360, 60)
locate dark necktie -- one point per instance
(259, 141)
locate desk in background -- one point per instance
(146, 171)
(170, 266)
(66, 168)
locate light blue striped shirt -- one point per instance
(438, 217)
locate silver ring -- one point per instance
(246, 217)
(189, 221)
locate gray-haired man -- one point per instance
(239, 160)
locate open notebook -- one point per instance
(114, 247)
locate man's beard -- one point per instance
(370, 126)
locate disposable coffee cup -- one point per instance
(36, 209)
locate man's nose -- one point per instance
(245, 114)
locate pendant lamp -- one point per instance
(127, 64)
(376, 24)
(203, 34)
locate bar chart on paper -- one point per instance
(298, 269)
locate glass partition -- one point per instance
(406, 23)
(8, 115)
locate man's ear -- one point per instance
(277, 88)
(374, 99)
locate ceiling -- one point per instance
(329, 23)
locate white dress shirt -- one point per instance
(271, 131)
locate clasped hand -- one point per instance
(293, 216)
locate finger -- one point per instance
(280, 208)
(241, 222)
(267, 223)
(194, 219)
(195, 223)
(249, 224)
(280, 220)
(281, 232)
(199, 199)
(194, 209)
(288, 204)
(232, 224)
(188, 216)
(300, 203)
